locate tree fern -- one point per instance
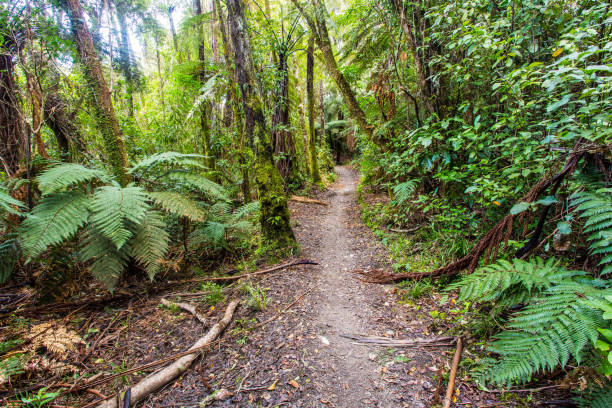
(168, 159)
(498, 281)
(108, 261)
(150, 242)
(403, 191)
(558, 323)
(223, 223)
(9, 255)
(8, 204)
(178, 204)
(113, 207)
(62, 176)
(596, 209)
(199, 183)
(54, 220)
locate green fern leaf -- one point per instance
(54, 220)
(62, 176)
(403, 191)
(244, 211)
(9, 204)
(114, 207)
(108, 262)
(178, 204)
(150, 243)
(9, 255)
(199, 183)
(168, 159)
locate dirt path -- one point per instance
(300, 359)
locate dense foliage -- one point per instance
(147, 136)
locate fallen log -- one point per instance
(453, 374)
(160, 378)
(306, 200)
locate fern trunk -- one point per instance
(105, 113)
(274, 218)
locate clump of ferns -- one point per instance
(115, 225)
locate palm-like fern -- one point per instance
(168, 159)
(224, 224)
(403, 191)
(596, 209)
(9, 255)
(8, 204)
(119, 223)
(558, 323)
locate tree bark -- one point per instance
(274, 218)
(312, 135)
(173, 32)
(61, 122)
(125, 54)
(12, 135)
(318, 28)
(235, 104)
(105, 113)
(282, 140)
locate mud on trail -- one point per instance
(301, 359)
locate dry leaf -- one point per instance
(273, 386)
(294, 384)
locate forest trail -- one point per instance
(301, 359)
(342, 303)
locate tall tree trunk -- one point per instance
(235, 104)
(323, 136)
(274, 218)
(301, 112)
(318, 28)
(173, 32)
(125, 54)
(61, 122)
(282, 140)
(105, 113)
(12, 135)
(312, 134)
(206, 106)
(161, 77)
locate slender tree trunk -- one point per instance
(322, 115)
(206, 106)
(161, 77)
(282, 139)
(125, 54)
(312, 134)
(61, 122)
(12, 135)
(274, 219)
(173, 32)
(301, 113)
(105, 113)
(235, 104)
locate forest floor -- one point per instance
(292, 352)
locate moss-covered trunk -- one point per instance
(275, 223)
(312, 135)
(282, 138)
(105, 113)
(12, 135)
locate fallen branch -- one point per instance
(164, 376)
(246, 275)
(185, 306)
(307, 200)
(405, 231)
(453, 374)
(385, 341)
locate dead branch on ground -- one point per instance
(161, 378)
(453, 374)
(386, 341)
(306, 200)
(185, 306)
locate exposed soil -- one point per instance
(298, 359)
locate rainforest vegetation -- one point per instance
(144, 142)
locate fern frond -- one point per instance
(150, 242)
(199, 183)
(9, 255)
(113, 207)
(169, 159)
(244, 211)
(108, 261)
(557, 325)
(596, 397)
(177, 203)
(596, 209)
(9, 204)
(221, 211)
(54, 220)
(214, 231)
(502, 277)
(62, 176)
(403, 191)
